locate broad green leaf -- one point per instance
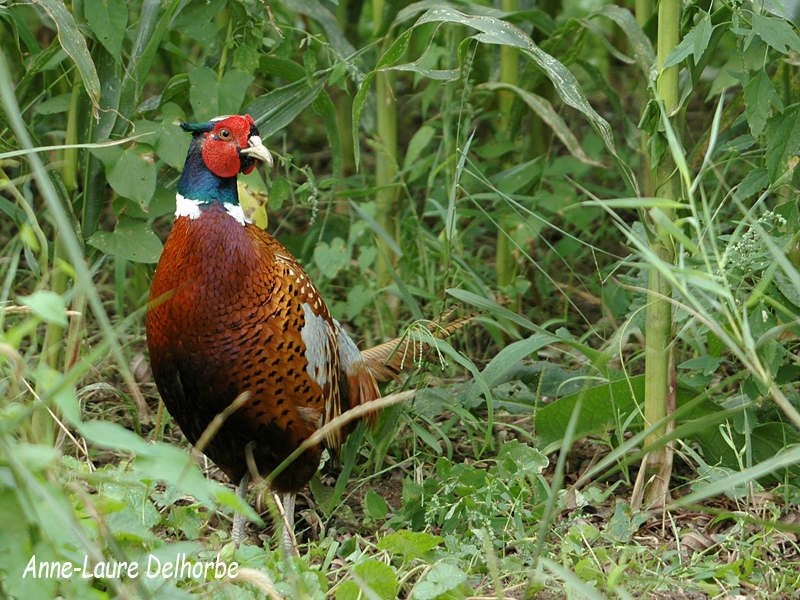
(47, 305)
(173, 142)
(602, 406)
(134, 177)
(330, 259)
(113, 436)
(132, 239)
(74, 44)
(442, 579)
(108, 20)
(203, 93)
(379, 577)
(776, 32)
(753, 183)
(783, 140)
(760, 97)
(542, 107)
(409, 544)
(695, 43)
(231, 91)
(510, 356)
(375, 506)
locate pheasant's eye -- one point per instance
(224, 134)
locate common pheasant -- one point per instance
(232, 311)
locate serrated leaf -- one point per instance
(695, 43)
(409, 544)
(74, 44)
(132, 239)
(47, 305)
(108, 19)
(760, 97)
(777, 33)
(133, 177)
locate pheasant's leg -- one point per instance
(238, 533)
(286, 505)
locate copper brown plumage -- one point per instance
(232, 311)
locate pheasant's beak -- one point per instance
(257, 149)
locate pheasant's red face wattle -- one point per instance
(223, 144)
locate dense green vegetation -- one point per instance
(601, 186)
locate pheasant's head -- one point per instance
(229, 145)
(220, 150)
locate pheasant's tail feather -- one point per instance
(366, 389)
(387, 360)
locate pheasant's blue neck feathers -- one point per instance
(197, 182)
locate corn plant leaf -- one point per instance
(74, 44)
(108, 19)
(642, 48)
(496, 31)
(542, 107)
(275, 110)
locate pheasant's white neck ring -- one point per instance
(188, 207)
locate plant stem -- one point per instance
(658, 323)
(386, 159)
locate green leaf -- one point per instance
(695, 43)
(442, 579)
(74, 44)
(132, 240)
(409, 544)
(379, 577)
(275, 110)
(602, 406)
(419, 141)
(776, 32)
(375, 506)
(108, 19)
(203, 93)
(639, 41)
(331, 259)
(760, 97)
(134, 177)
(542, 107)
(113, 436)
(783, 140)
(173, 142)
(47, 305)
(54, 105)
(231, 91)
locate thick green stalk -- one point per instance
(505, 263)
(658, 325)
(386, 158)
